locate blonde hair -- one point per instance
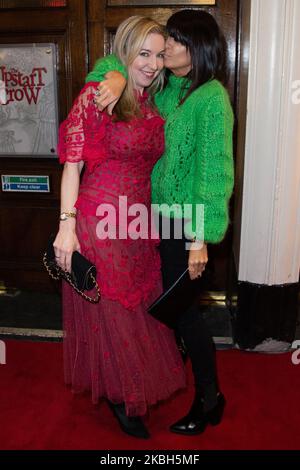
(129, 39)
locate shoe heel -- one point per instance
(215, 420)
(133, 426)
(216, 414)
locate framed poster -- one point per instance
(158, 3)
(28, 100)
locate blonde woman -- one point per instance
(113, 348)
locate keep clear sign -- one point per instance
(25, 183)
(28, 100)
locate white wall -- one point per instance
(270, 228)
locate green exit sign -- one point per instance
(25, 183)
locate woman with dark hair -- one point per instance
(195, 171)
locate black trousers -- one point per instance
(191, 325)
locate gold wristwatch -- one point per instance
(67, 215)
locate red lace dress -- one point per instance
(114, 348)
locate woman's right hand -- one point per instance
(65, 243)
(110, 91)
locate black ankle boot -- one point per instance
(196, 420)
(132, 425)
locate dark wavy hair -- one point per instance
(199, 32)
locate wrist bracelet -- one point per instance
(67, 215)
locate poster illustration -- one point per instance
(28, 100)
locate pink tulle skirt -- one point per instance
(114, 350)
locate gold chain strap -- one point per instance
(56, 277)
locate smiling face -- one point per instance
(150, 61)
(177, 58)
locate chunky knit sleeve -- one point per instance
(107, 64)
(213, 171)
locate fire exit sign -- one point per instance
(25, 183)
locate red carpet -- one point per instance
(38, 412)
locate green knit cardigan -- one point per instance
(196, 169)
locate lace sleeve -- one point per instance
(81, 135)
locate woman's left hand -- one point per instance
(197, 260)
(110, 91)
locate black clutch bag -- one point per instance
(174, 301)
(83, 272)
